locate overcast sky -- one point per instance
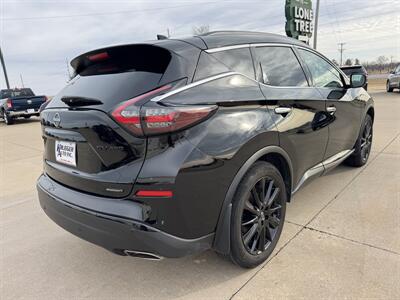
(37, 37)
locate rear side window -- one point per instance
(237, 60)
(322, 72)
(280, 67)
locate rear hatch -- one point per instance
(85, 148)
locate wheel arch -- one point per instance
(272, 154)
(371, 113)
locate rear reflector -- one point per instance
(155, 194)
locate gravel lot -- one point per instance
(341, 238)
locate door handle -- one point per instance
(331, 109)
(282, 110)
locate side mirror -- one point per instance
(357, 80)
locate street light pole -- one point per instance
(316, 25)
(4, 69)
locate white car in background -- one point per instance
(393, 81)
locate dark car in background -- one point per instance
(17, 103)
(393, 81)
(356, 69)
(171, 147)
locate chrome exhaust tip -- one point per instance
(143, 255)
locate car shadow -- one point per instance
(21, 121)
(123, 276)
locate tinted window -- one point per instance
(209, 66)
(226, 89)
(323, 73)
(280, 67)
(238, 60)
(17, 93)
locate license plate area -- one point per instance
(30, 110)
(65, 152)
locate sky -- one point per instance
(39, 37)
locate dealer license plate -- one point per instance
(66, 152)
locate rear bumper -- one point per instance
(111, 223)
(22, 113)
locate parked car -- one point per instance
(171, 147)
(356, 69)
(17, 103)
(393, 81)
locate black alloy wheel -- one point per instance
(261, 216)
(366, 141)
(258, 214)
(362, 148)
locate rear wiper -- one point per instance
(80, 101)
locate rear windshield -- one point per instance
(135, 58)
(16, 93)
(120, 74)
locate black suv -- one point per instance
(171, 147)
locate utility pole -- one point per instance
(4, 69)
(316, 25)
(341, 50)
(168, 34)
(22, 81)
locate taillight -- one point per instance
(157, 120)
(153, 119)
(9, 103)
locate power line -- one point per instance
(103, 13)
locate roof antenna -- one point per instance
(161, 37)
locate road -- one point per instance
(341, 238)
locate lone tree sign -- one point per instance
(299, 19)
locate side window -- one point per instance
(323, 73)
(280, 66)
(208, 66)
(238, 60)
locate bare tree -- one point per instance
(198, 30)
(357, 62)
(348, 62)
(382, 60)
(335, 62)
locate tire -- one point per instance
(388, 88)
(363, 145)
(256, 226)
(7, 119)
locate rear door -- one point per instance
(85, 148)
(341, 103)
(297, 108)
